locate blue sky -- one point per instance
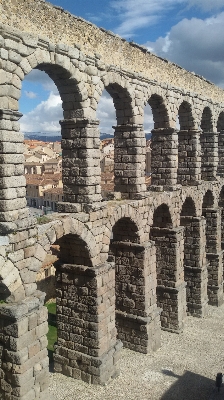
(188, 32)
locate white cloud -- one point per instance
(196, 45)
(30, 95)
(45, 117)
(41, 78)
(148, 119)
(106, 113)
(135, 15)
(94, 18)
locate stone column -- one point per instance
(87, 346)
(189, 158)
(129, 160)
(220, 170)
(81, 173)
(171, 288)
(13, 212)
(164, 157)
(24, 364)
(214, 255)
(137, 314)
(195, 265)
(209, 156)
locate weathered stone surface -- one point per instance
(128, 266)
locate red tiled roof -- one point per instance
(54, 191)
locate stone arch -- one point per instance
(195, 270)
(208, 200)
(220, 122)
(126, 230)
(121, 93)
(169, 268)
(186, 118)
(77, 117)
(74, 250)
(209, 146)
(129, 138)
(189, 150)
(129, 258)
(125, 213)
(163, 139)
(162, 217)
(159, 111)
(66, 77)
(54, 231)
(11, 285)
(207, 120)
(188, 208)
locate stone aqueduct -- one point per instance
(165, 260)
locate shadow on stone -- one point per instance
(191, 386)
(51, 360)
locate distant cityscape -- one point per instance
(43, 169)
(49, 137)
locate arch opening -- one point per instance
(206, 120)
(159, 112)
(208, 200)
(129, 162)
(148, 126)
(156, 117)
(43, 154)
(185, 116)
(64, 280)
(162, 217)
(106, 114)
(220, 122)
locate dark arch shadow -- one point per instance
(191, 386)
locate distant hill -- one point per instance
(42, 136)
(106, 136)
(48, 137)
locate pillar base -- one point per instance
(141, 334)
(216, 295)
(24, 363)
(215, 280)
(197, 299)
(174, 307)
(90, 369)
(197, 310)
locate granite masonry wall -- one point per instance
(129, 266)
